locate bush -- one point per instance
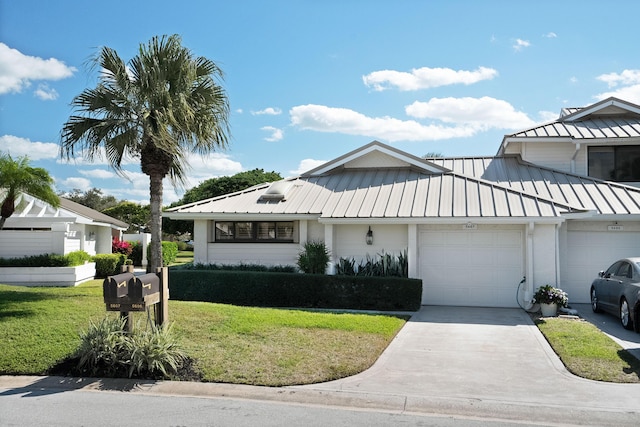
(136, 253)
(47, 260)
(296, 290)
(108, 264)
(240, 267)
(314, 258)
(169, 252)
(386, 265)
(106, 351)
(78, 258)
(121, 247)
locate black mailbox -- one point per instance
(116, 287)
(126, 292)
(145, 289)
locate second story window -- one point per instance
(620, 163)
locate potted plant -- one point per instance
(549, 298)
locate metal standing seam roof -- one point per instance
(577, 191)
(610, 118)
(595, 128)
(383, 194)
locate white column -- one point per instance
(412, 250)
(328, 242)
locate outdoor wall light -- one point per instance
(92, 235)
(369, 237)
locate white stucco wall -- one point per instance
(349, 240)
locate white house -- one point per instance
(557, 204)
(37, 228)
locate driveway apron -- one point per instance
(482, 354)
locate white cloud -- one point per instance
(276, 134)
(269, 111)
(306, 165)
(425, 78)
(76, 182)
(460, 117)
(547, 116)
(628, 93)
(17, 70)
(520, 44)
(551, 35)
(98, 173)
(18, 147)
(480, 113)
(341, 120)
(46, 93)
(627, 77)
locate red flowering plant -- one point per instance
(121, 247)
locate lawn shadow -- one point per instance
(632, 360)
(53, 385)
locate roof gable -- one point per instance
(610, 107)
(375, 155)
(30, 208)
(604, 121)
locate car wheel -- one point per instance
(594, 301)
(625, 315)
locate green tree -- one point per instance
(161, 106)
(17, 176)
(134, 214)
(92, 198)
(215, 187)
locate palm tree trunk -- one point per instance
(155, 191)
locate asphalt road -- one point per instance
(72, 408)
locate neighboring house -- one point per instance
(37, 228)
(473, 227)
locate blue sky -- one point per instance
(309, 81)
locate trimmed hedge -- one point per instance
(250, 288)
(108, 264)
(72, 259)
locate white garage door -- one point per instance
(471, 267)
(588, 252)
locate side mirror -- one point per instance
(601, 274)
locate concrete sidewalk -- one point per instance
(478, 362)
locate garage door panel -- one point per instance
(588, 252)
(473, 268)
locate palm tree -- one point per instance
(161, 106)
(16, 176)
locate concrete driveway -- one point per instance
(487, 360)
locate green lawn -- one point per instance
(589, 353)
(243, 345)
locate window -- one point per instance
(621, 163)
(247, 231)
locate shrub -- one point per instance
(47, 260)
(108, 264)
(78, 258)
(105, 350)
(136, 253)
(240, 267)
(153, 352)
(121, 247)
(296, 290)
(314, 258)
(101, 349)
(169, 252)
(386, 265)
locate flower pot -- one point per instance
(548, 310)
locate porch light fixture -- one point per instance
(369, 237)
